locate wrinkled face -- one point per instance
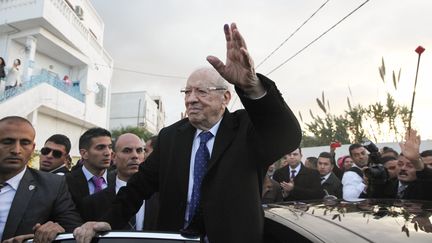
(427, 161)
(204, 104)
(128, 155)
(407, 171)
(50, 162)
(98, 157)
(392, 168)
(348, 162)
(324, 166)
(360, 156)
(16, 147)
(294, 158)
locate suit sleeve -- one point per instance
(275, 127)
(64, 211)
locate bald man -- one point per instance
(128, 154)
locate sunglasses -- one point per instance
(55, 153)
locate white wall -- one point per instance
(48, 125)
(43, 62)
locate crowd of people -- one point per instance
(202, 176)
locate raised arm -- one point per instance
(239, 68)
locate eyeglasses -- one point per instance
(200, 92)
(55, 153)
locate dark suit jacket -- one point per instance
(95, 206)
(307, 183)
(247, 142)
(41, 197)
(333, 186)
(420, 189)
(78, 186)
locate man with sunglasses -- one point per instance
(53, 156)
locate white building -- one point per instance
(54, 39)
(137, 109)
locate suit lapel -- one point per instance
(20, 203)
(223, 139)
(81, 183)
(181, 156)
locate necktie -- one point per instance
(97, 182)
(401, 190)
(201, 157)
(292, 174)
(322, 180)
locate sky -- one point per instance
(173, 37)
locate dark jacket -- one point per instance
(41, 197)
(307, 183)
(333, 186)
(247, 142)
(420, 189)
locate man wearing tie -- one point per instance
(208, 167)
(95, 148)
(297, 181)
(128, 155)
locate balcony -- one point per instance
(45, 77)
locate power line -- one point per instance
(143, 73)
(310, 43)
(292, 34)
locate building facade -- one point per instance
(137, 109)
(65, 70)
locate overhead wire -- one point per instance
(142, 73)
(291, 35)
(317, 38)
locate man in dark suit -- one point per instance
(30, 198)
(414, 180)
(95, 147)
(297, 181)
(216, 198)
(54, 155)
(128, 154)
(329, 181)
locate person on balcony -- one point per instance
(2, 69)
(13, 78)
(67, 81)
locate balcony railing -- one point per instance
(45, 77)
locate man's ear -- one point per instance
(84, 153)
(226, 97)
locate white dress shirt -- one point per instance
(88, 175)
(297, 170)
(195, 146)
(353, 185)
(7, 195)
(139, 217)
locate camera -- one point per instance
(376, 172)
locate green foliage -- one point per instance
(350, 126)
(139, 131)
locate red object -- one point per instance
(335, 144)
(420, 50)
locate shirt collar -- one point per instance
(213, 130)
(326, 176)
(297, 168)
(15, 181)
(88, 175)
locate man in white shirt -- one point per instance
(30, 198)
(352, 180)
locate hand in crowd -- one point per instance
(87, 231)
(287, 187)
(239, 69)
(47, 232)
(411, 148)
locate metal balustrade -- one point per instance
(44, 77)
